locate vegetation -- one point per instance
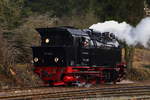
(19, 18)
(138, 74)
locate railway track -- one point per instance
(74, 93)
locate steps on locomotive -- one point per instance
(84, 56)
(89, 72)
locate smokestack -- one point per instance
(125, 32)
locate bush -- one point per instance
(147, 66)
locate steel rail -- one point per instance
(79, 93)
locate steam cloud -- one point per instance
(125, 32)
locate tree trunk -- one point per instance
(129, 55)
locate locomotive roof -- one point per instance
(71, 30)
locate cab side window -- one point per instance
(86, 42)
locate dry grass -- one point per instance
(25, 75)
(139, 71)
(22, 76)
(141, 57)
(138, 74)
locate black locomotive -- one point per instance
(69, 55)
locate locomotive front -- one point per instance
(69, 56)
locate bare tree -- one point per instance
(7, 55)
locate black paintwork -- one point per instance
(66, 43)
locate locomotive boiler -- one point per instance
(68, 56)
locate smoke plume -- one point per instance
(125, 32)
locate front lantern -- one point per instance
(47, 40)
(56, 59)
(36, 59)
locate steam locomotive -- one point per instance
(71, 56)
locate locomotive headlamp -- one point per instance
(56, 59)
(36, 59)
(47, 40)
